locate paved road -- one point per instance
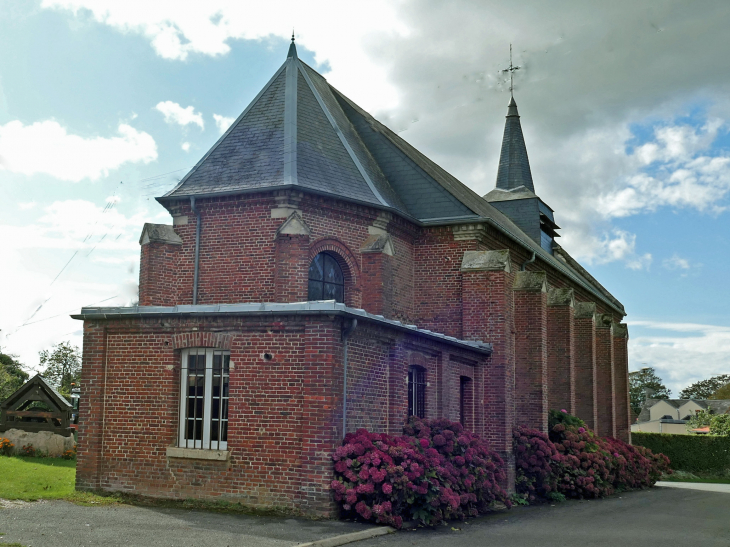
(661, 517)
(62, 524)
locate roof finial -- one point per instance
(512, 68)
(292, 47)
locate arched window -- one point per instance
(326, 281)
(416, 391)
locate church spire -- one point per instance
(514, 166)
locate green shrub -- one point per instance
(720, 425)
(556, 417)
(689, 452)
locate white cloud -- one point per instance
(206, 28)
(223, 122)
(676, 262)
(76, 225)
(682, 353)
(45, 147)
(174, 113)
(25, 206)
(616, 245)
(185, 146)
(73, 255)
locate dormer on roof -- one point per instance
(514, 194)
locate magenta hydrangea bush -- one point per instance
(435, 471)
(575, 462)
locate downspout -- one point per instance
(345, 334)
(526, 262)
(196, 212)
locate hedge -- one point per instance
(688, 452)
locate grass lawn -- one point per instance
(31, 479)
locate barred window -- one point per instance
(417, 391)
(326, 281)
(204, 399)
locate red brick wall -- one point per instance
(285, 413)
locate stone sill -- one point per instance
(197, 454)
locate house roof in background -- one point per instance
(719, 406)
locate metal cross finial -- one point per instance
(512, 68)
(292, 36)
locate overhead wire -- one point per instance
(108, 207)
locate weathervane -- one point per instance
(512, 68)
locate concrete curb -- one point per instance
(705, 486)
(349, 538)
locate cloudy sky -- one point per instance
(105, 104)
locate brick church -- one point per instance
(321, 275)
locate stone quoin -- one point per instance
(321, 275)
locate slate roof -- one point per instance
(301, 132)
(514, 166)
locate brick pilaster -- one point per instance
(91, 410)
(561, 333)
(291, 260)
(487, 310)
(621, 381)
(159, 248)
(605, 383)
(585, 363)
(531, 394)
(321, 397)
(377, 275)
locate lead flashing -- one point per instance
(320, 307)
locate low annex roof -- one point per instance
(300, 132)
(321, 307)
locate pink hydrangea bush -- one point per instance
(536, 460)
(436, 471)
(575, 462)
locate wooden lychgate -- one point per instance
(36, 406)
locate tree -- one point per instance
(645, 384)
(12, 375)
(721, 393)
(704, 388)
(62, 366)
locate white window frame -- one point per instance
(205, 443)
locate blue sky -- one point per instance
(625, 110)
